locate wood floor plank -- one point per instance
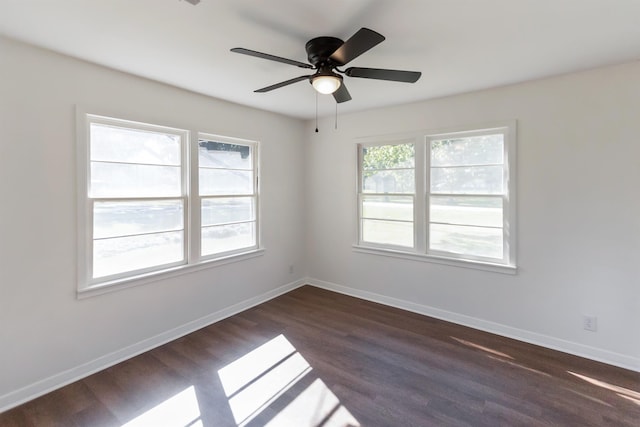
(344, 359)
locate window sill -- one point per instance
(476, 265)
(143, 279)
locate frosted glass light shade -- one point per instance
(326, 84)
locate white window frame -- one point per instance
(255, 194)
(421, 252)
(416, 194)
(88, 286)
(183, 136)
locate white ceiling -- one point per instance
(459, 45)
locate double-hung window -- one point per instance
(151, 200)
(468, 197)
(136, 196)
(387, 196)
(228, 195)
(448, 197)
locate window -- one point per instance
(143, 211)
(467, 196)
(228, 195)
(137, 197)
(447, 196)
(388, 195)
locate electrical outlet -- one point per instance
(291, 269)
(590, 323)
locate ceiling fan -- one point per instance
(326, 54)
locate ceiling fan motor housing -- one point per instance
(320, 48)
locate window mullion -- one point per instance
(89, 241)
(185, 167)
(359, 193)
(193, 201)
(420, 205)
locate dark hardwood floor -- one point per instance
(317, 358)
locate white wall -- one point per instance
(578, 215)
(44, 329)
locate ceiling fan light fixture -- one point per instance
(326, 83)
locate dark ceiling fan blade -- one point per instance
(282, 84)
(342, 94)
(359, 43)
(270, 57)
(380, 74)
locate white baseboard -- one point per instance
(61, 379)
(577, 349)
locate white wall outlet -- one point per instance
(590, 323)
(291, 269)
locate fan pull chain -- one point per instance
(316, 112)
(336, 125)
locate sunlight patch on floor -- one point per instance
(629, 398)
(483, 348)
(180, 410)
(252, 399)
(315, 406)
(626, 393)
(242, 371)
(518, 365)
(586, 396)
(498, 355)
(256, 380)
